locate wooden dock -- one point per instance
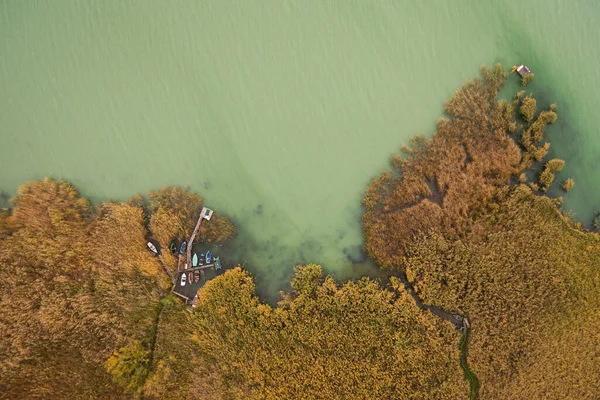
(206, 213)
(179, 294)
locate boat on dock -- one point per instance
(152, 247)
(202, 259)
(183, 279)
(173, 247)
(196, 275)
(191, 277)
(208, 257)
(217, 262)
(195, 260)
(183, 247)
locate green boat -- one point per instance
(195, 260)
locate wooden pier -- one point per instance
(179, 294)
(206, 214)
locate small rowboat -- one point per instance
(183, 279)
(208, 257)
(195, 260)
(191, 277)
(173, 247)
(152, 247)
(183, 247)
(196, 275)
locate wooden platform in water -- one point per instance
(199, 267)
(187, 260)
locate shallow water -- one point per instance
(278, 113)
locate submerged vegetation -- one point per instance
(86, 311)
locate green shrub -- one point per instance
(522, 178)
(596, 222)
(527, 78)
(527, 109)
(549, 117)
(547, 175)
(546, 179)
(535, 132)
(129, 365)
(541, 152)
(555, 165)
(568, 184)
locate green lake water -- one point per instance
(277, 112)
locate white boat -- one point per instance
(152, 247)
(183, 278)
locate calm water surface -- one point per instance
(278, 113)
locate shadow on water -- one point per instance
(272, 260)
(4, 199)
(269, 261)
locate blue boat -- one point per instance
(208, 257)
(195, 260)
(202, 259)
(183, 247)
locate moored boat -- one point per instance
(217, 262)
(191, 277)
(202, 259)
(208, 257)
(152, 247)
(183, 247)
(183, 279)
(195, 260)
(196, 275)
(173, 247)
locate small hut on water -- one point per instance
(523, 70)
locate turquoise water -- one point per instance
(278, 113)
